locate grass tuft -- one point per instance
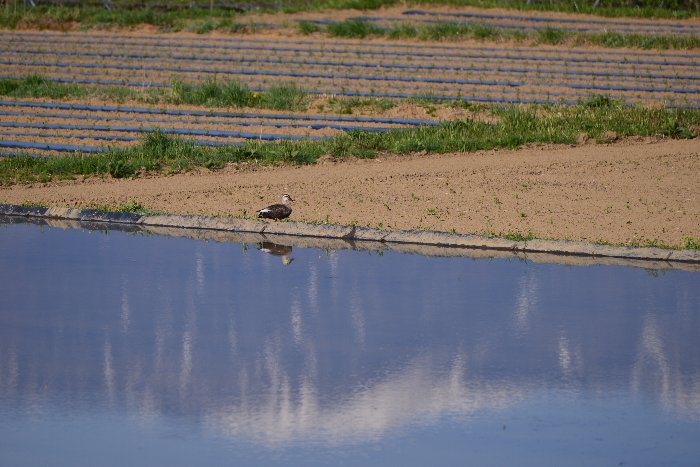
(212, 94)
(599, 100)
(349, 105)
(690, 243)
(354, 28)
(551, 35)
(235, 94)
(307, 27)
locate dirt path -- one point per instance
(631, 190)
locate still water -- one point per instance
(130, 349)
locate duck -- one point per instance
(276, 249)
(277, 211)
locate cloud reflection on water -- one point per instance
(414, 394)
(341, 347)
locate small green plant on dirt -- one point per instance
(645, 243)
(307, 27)
(517, 236)
(133, 207)
(690, 243)
(402, 31)
(212, 93)
(354, 28)
(599, 100)
(283, 97)
(485, 31)
(348, 105)
(33, 204)
(235, 94)
(202, 27)
(551, 35)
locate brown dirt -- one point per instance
(631, 190)
(543, 80)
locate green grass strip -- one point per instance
(236, 94)
(209, 94)
(179, 15)
(454, 32)
(515, 126)
(677, 9)
(686, 243)
(157, 151)
(62, 17)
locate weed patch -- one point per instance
(354, 28)
(350, 105)
(212, 93)
(690, 243)
(485, 32)
(307, 27)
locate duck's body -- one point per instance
(277, 211)
(276, 249)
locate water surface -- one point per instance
(128, 349)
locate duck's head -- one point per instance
(286, 199)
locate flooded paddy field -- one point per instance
(123, 348)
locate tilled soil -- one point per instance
(633, 190)
(469, 69)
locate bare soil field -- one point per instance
(472, 70)
(630, 191)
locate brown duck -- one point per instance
(277, 211)
(276, 249)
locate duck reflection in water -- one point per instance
(276, 249)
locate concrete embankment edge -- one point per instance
(354, 233)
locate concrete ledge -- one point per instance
(684, 256)
(203, 222)
(323, 243)
(370, 235)
(589, 249)
(91, 215)
(309, 230)
(349, 234)
(63, 213)
(222, 236)
(13, 210)
(426, 237)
